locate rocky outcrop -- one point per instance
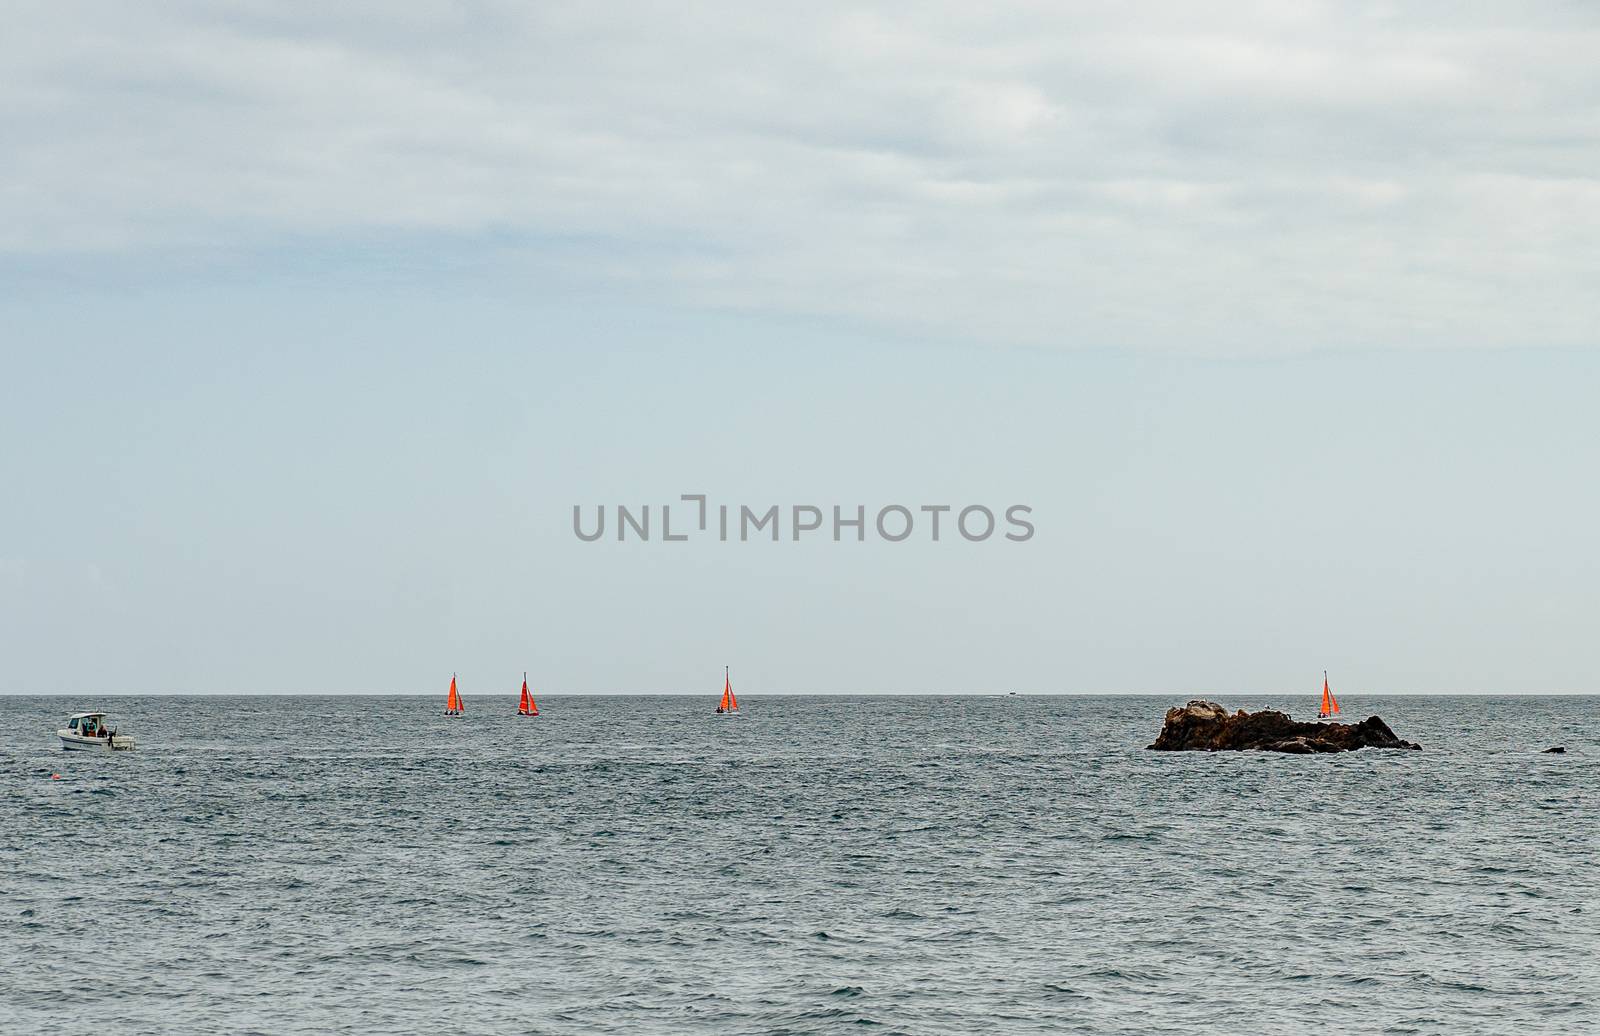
(1204, 726)
(1557, 750)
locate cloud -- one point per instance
(1256, 178)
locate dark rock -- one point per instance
(1203, 726)
(1557, 750)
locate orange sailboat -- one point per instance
(1330, 704)
(452, 704)
(527, 707)
(729, 706)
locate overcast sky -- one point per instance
(318, 319)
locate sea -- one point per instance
(919, 864)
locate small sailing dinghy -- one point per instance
(87, 731)
(452, 704)
(729, 706)
(527, 707)
(1330, 704)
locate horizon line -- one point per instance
(1192, 695)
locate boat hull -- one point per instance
(78, 743)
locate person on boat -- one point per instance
(719, 709)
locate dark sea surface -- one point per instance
(820, 864)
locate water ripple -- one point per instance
(634, 865)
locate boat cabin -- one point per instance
(87, 724)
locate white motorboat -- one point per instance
(87, 731)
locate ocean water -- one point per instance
(821, 864)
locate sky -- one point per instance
(317, 321)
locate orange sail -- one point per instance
(1330, 704)
(729, 702)
(452, 704)
(528, 707)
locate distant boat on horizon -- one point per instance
(527, 707)
(729, 706)
(452, 704)
(1330, 704)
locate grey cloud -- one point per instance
(1258, 178)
